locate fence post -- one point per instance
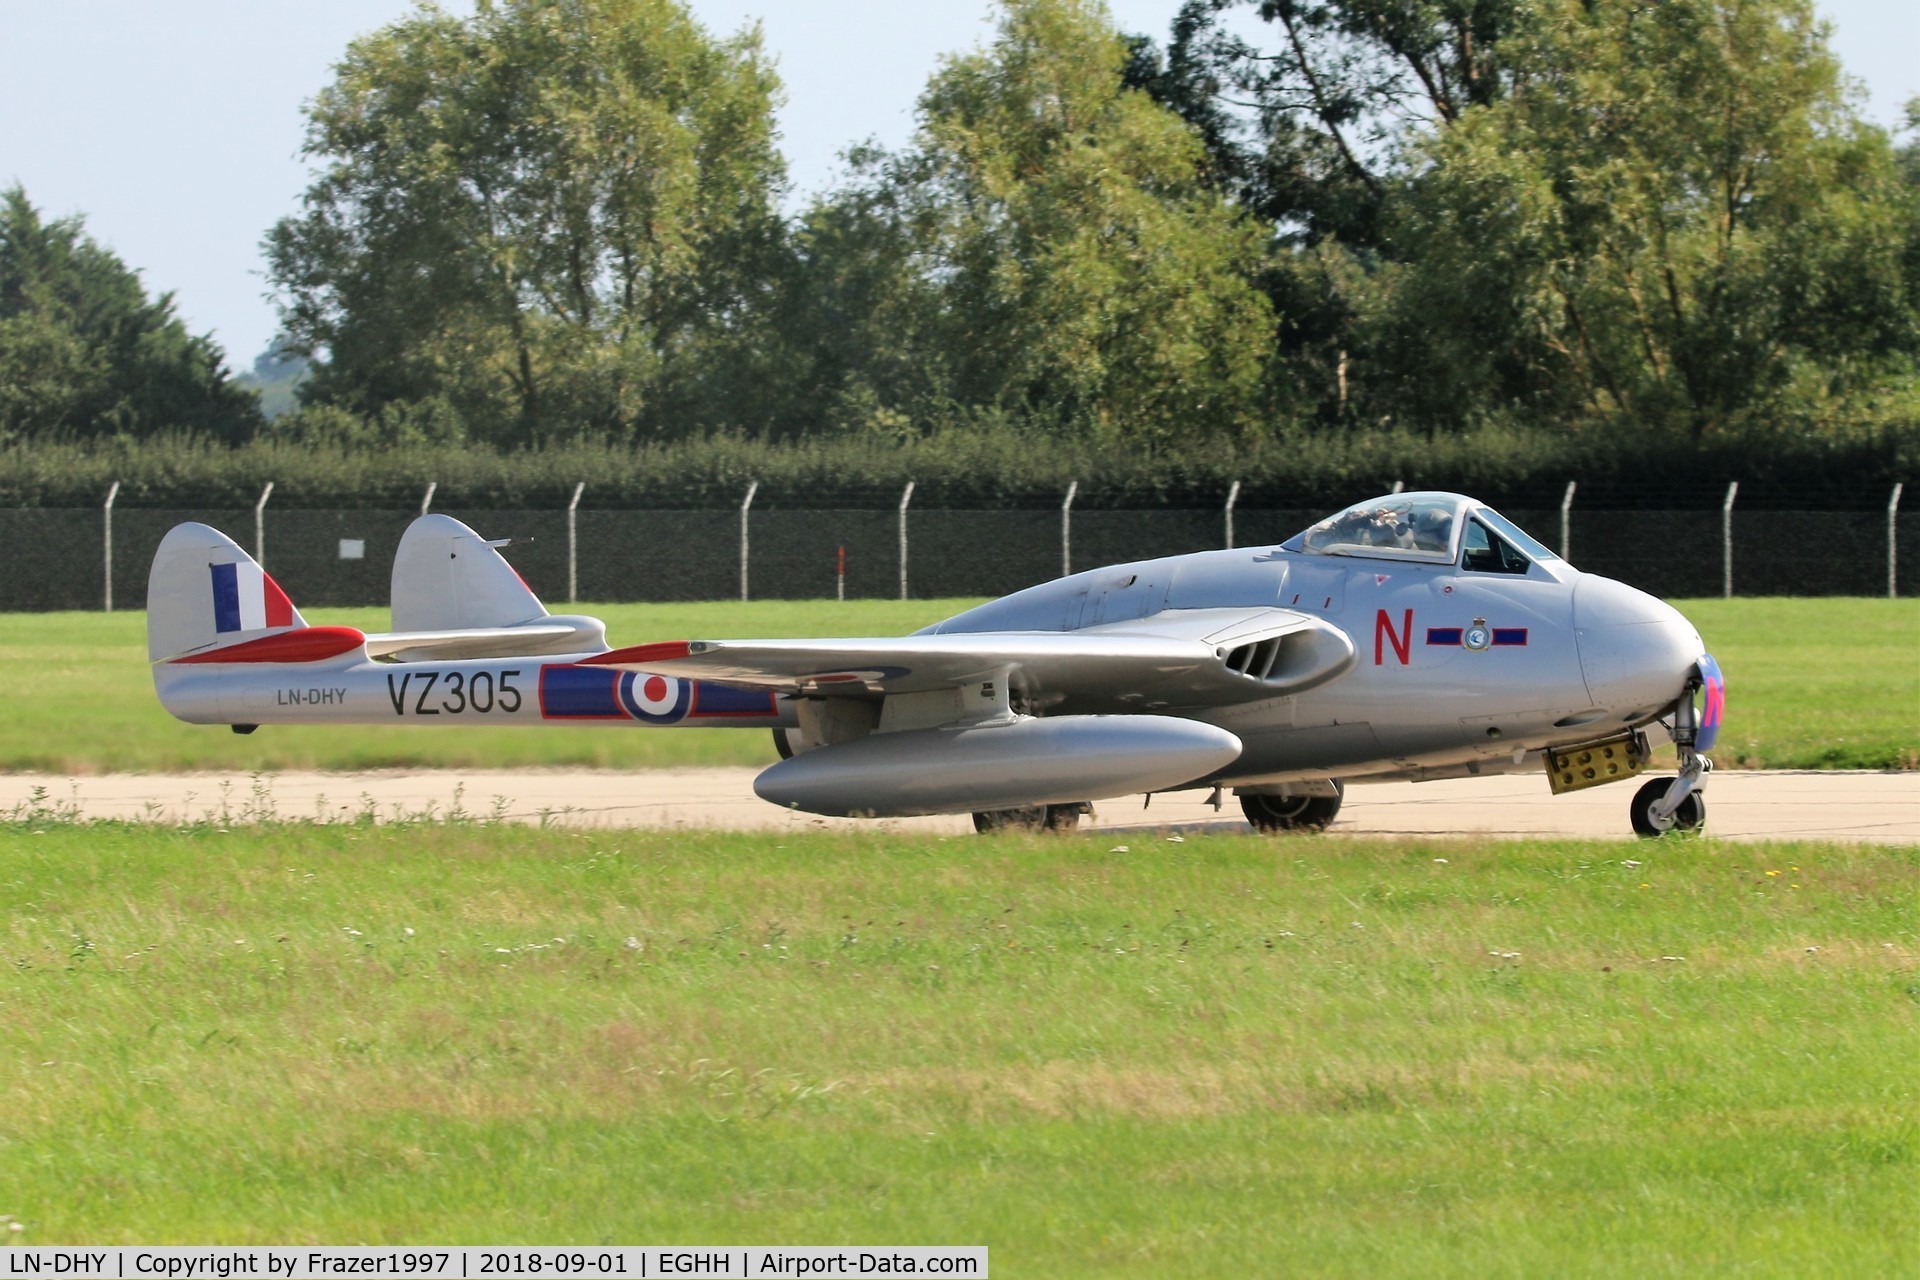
(1566, 520)
(1066, 529)
(107, 522)
(260, 524)
(1233, 496)
(1726, 540)
(426, 503)
(573, 543)
(1893, 542)
(745, 504)
(1399, 486)
(840, 575)
(905, 497)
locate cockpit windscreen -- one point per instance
(1402, 526)
(1515, 534)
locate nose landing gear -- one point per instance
(1662, 806)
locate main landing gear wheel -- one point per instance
(1270, 814)
(1033, 817)
(1689, 817)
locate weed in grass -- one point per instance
(39, 809)
(257, 808)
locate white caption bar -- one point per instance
(489, 1262)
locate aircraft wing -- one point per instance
(1181, 658)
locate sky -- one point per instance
(175, 129)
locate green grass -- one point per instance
(1224, 1057)
(1816, 684)
(1827, 683)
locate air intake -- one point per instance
(1256, 660)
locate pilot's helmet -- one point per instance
(1349, 526)
(1380, 527)
(1433, 529)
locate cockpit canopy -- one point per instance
(1425, 527)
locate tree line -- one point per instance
(559, 221)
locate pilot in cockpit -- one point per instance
(1405, 530)
(1360, 527)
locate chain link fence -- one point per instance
(63, 558)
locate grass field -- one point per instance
(1816, 684)
(1813, 683)
(1224, 1057)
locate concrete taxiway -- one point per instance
(1761, 805)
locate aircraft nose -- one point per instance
(1636, 651)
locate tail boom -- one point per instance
(470, 645)
(498, 691)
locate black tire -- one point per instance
(1690, 817)
(1271, 814)
(1034, 817)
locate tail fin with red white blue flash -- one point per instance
(209, 601)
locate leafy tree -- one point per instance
(1672, 218)
(860, 312)
(554, 216)
(85, 352)
(1307, 126)
(1908, 153)
(1054, 248)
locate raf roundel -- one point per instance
(655, 699)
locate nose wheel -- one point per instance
(1673, 804)
(1688, 816)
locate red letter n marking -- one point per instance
(1383, 630)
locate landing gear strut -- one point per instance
(1661, 806)
(1036, 817)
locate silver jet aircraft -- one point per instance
(1414, 636)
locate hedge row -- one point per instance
(1522, 470)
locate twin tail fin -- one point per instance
(209, 601)
(454, 596)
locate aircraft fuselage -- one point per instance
(1456, 672)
